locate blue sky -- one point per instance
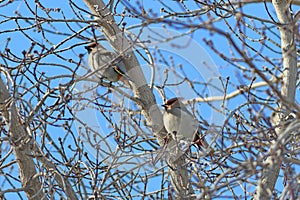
(192, 59)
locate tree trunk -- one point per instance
(273, 163)
(142, 91)
(20, 141)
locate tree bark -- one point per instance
(273, 162)
(142, 92)
(20, 142)
(24, 146)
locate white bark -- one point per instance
(143, 93)
(273, 163)
(25, 150)
(20, 142)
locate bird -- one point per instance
(106, 64)
(179, 121)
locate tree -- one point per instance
(67, 134)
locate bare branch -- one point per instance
(20, 141)
(290, 74)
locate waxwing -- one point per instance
(106, 64)
(181, 124)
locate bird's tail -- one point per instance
(201, 143)
(122, 75)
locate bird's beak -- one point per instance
(88, 48)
